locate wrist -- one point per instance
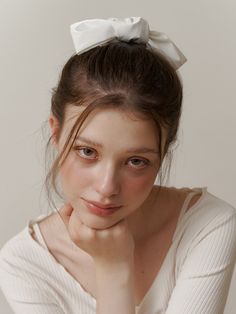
(115, 287)
(114, 265)
(121, 272)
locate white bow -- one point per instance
(90, 33)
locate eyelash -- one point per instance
(79, 148)
(83, 148)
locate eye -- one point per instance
(86, 152)
(139, 163)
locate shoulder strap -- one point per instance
(188, 199)
(39, 236)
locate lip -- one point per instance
(103, 206)
(101, 209)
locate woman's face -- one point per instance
(114, 161)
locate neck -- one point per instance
(142, 222)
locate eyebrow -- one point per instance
(141, 150)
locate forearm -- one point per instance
(115, 289)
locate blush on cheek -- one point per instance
(74, 179)
(141, 186)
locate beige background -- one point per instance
(35, 43)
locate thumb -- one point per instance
(65, 213)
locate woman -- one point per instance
(120, 243)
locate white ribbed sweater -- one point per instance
(194, 277)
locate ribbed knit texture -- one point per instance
(194, 277)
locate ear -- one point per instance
(55, 128)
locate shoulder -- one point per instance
(22, 245)
(22, 256)
(16, 245)
(27, 269)
(18, 271)
(29, 279)
(211, 219)
(205, 254)
(211, 210)
(19, 253)
(205, 207)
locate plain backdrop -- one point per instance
(35, 43)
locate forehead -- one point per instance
(114, 124)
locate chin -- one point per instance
(99, 226)
(96, 223)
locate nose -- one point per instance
(107, 181)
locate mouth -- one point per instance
(101, 209)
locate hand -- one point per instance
(112, 245)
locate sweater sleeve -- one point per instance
(25, 291)
(204, 279)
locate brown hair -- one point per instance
(123, 75)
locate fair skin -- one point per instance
(111, 173)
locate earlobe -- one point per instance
(54, 126)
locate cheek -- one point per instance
(140, 185)
(137, 190)
(73, 177)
